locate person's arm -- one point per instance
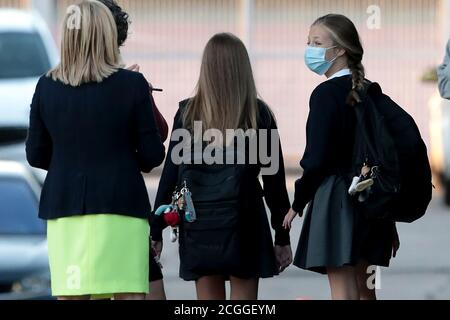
(39, 146)
(150, 150)
(161, 123)
(275, 192)
(444, 74)
(167, 185)
(320, 134)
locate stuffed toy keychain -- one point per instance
(363, 183)
(171, 216)
(181, 201)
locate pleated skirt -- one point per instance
(335, 234)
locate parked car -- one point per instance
(27, 51)
(16, 152)
(24, 268)
(440, 141)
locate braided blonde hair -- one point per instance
(344, 34)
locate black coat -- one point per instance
(329, 139)
(94, 140)
(257, 259)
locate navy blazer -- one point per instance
(94, 140)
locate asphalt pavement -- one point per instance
(420, 271)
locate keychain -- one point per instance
(171, 215)
(363, 182)
(181, 201)
(187, 204)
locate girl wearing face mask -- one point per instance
(335, 239)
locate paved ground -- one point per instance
(421, 271)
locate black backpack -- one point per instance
(388, 139)
(211, 244)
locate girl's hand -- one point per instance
(287, 224)
(157, 247)
(395, 243)
(283, 256)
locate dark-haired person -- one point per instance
(122, 21)
(335, 239)
(157, 291)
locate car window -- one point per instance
(18, 208)
(22, 55)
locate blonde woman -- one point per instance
(92, 127)
(230, 239)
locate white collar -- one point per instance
(341, 73)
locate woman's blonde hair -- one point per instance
(89, 49)
(226, 96)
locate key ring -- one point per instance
(375, 171)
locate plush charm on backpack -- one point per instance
(171, 217)
(362, 184)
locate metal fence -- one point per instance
(20, 4)
(167, 38)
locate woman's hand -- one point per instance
(283, 256)
(134, 68)
(157, 247)
(395, 243)
(287, 224)
(137, 68)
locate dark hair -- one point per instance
(121, 18)
(345, 35)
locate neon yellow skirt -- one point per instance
(98, 255)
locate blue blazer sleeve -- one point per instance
(444, 75)
(150, 149)
(39, 146)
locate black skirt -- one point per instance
(335, 235)
(254, 258)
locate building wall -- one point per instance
(167, 38)
(19, 4)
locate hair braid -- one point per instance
(358, 76)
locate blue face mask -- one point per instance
(315, 59)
